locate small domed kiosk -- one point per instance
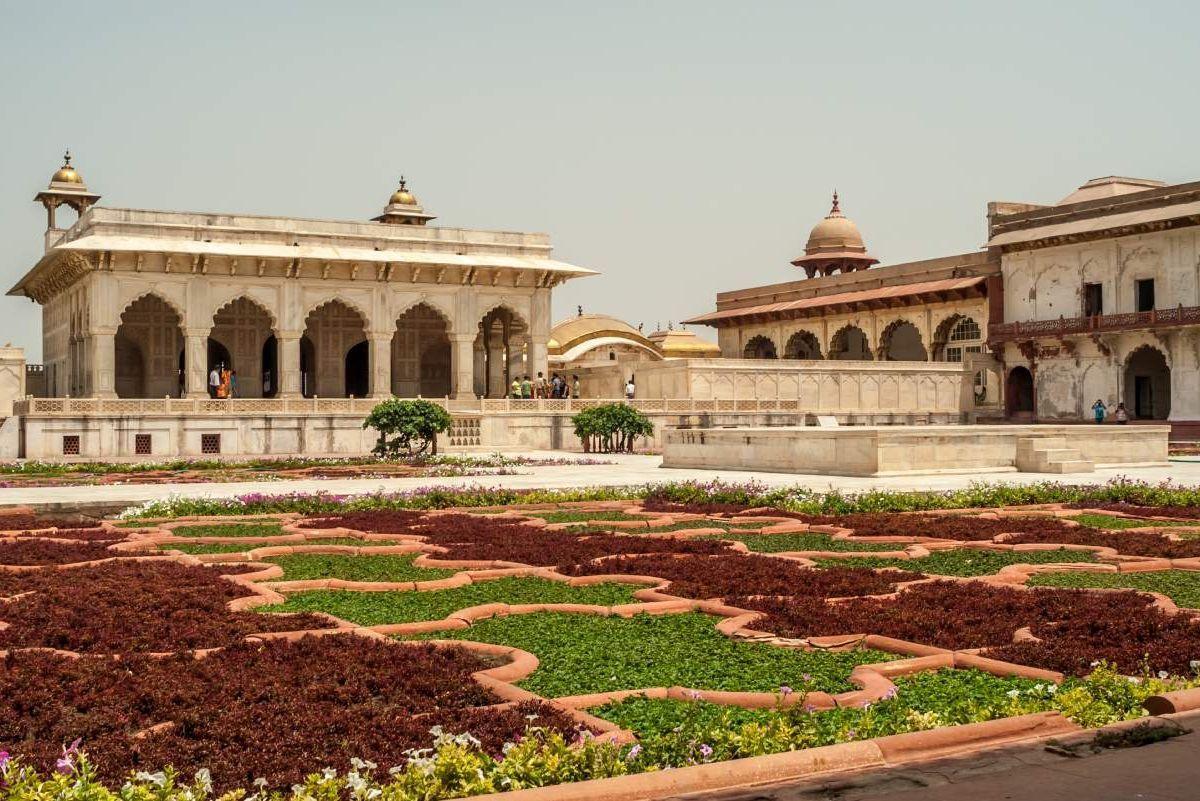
(834, 245)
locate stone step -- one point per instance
(1070, 466)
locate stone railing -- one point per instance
(74, 407)
(247, 407)
(1130, 321)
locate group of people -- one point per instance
(222, 382)
(557, 387)
(1099, 411)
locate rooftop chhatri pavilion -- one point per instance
(834, 245)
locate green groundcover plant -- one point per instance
(229, 530)
(384, 567)
(583, 654)
(805, 541)
(675, 734)
(374, 608)
(965, 561)
(1112, 521)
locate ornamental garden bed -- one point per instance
(488, 643)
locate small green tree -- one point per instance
(613, 427)
(406, 427)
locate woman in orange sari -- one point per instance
(223, 389)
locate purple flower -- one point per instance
(785, 691)
(890, 694)
(694, 695)
(706, 750)
(4, 759)
(66, 763)
(807, 677)
(633, 752)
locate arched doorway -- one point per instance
(146, 349)
(901, 342)
(499, 350)
(240, 329)
(218, 359)
(1018, 392)
(759, 347)
(270, 367)
(802, 345)
(850, 344)
(421, 354)
(955, 337)
(308, 361)
(1148, 384)
(334, 330)
(358, 371)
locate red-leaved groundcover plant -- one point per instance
(272, 710)
(380, 521)
(1077, 627)
(721, 575)
(126, 606)
(38, 551)
(474, 538)
(944, 527)
(1130, 543)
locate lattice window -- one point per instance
(141, 444)
(70, 445)
(210, 443)
(965, 330)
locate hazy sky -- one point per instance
(680, 148)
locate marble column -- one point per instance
(462, 363)
(381, 364)
(102, 363)
(195, 361)
(287, 364)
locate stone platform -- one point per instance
(917, 450)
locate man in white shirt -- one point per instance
(214, 381)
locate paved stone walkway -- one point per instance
(624, 469)
(1165, 771)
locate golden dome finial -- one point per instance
(403, 196)
(66, 174)
(835, 210)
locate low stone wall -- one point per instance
(902, 450)
(106, 435)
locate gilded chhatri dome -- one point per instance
(66, 173)
(834, 245)
(402, 196)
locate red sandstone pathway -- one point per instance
(1165, 771)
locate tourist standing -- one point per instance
(574, 386)
(214, 381)
(233, 383)
(526, 388)
(1099, 410)
(630, 389)
(515, 389)
(1122, 416)
(540, 387)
